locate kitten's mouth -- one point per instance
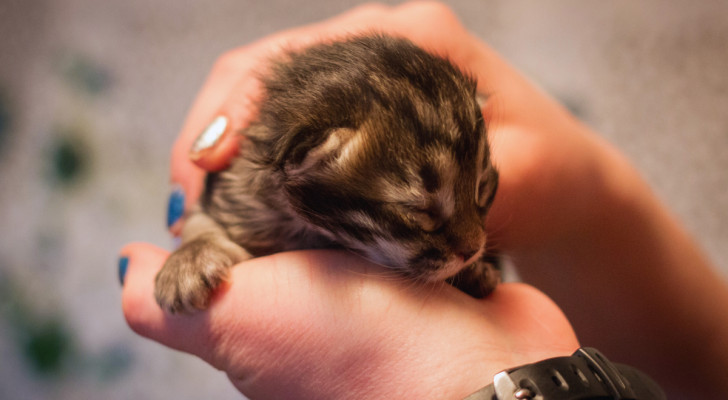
(475, 257)
(452, 266)
(448, 271)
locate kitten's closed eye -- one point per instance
(430, 219)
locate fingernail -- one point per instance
(176, 207)
(211, 135)
(123, 264)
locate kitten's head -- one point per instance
(415, 205)
(391, 157)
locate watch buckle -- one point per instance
(506, 389)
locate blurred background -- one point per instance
(92, 94)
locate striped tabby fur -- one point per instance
(369, 144)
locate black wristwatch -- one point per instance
(586, 374)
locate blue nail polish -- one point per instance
(176, 207)
(123, 264)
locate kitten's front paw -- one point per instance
(478, 279)
(191, 274)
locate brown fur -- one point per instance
(369, 144)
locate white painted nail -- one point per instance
(210, 136)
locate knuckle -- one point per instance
(432, 11)
(372, 8)
(228, 61)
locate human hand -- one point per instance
(329, 325)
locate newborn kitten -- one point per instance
(368, 144)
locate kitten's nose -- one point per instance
(468, 238)
(467, 247)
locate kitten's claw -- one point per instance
(478, 279)
(193, 272)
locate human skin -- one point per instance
(328, 325)
(575, 217)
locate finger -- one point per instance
(140, 309)
(213, 149)
(194, 153)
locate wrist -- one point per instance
(466, 340)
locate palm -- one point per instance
(369, 326)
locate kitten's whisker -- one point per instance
(386, 271)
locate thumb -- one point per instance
(139, 265)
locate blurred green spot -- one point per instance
(85, 74)
(47, 346)
(44, 342)
(69, 158)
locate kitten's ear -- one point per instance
(338, 146)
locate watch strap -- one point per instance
(586, 374)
